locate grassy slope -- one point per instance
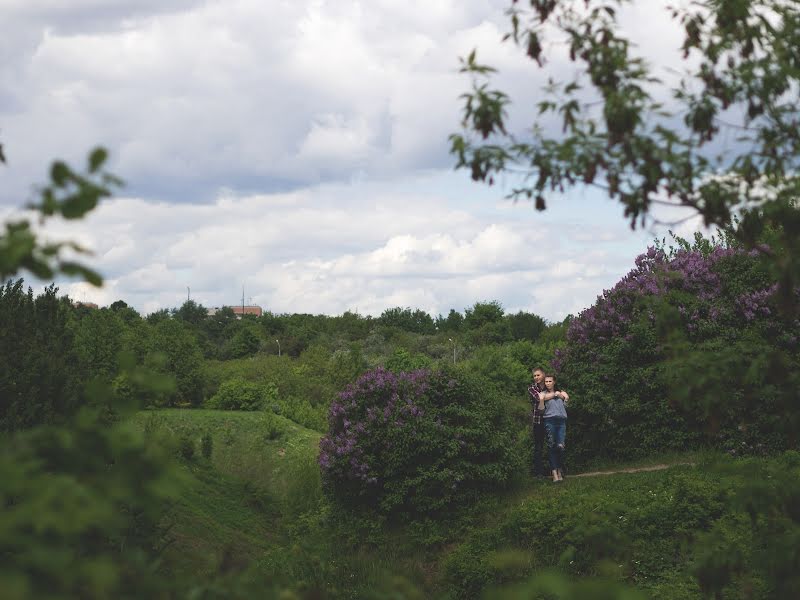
(235, 505)
(257, 502)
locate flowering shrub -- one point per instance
(416, 442)
(666, 358)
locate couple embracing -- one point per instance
(549, 422)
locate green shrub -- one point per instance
(239, 394)
(636, 528)
(499, 366)
(304, 387)
(273, 429)
(403, 361)
(206, 445)
(416, 442)
(301, 412)
(186, 446)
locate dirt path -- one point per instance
(634, 469)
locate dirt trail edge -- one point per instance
(634, 469)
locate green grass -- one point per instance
(256, 508)
(633, 528)
(235, 506)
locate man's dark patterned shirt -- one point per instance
(534, 390)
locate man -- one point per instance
(537, 410)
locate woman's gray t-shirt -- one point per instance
(554, 408)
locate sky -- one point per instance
(297, 150)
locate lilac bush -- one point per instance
(415, 441)
(662, 360)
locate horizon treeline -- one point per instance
(54, 348)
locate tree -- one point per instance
(526, 326)
(452, 322)
(415, 321)
(191, 312)
(40, 374)
(125, 312)
(216, 330)
(245, 343)
(485, 324)
(483, 313)
(174, 340)
(742, 71)
(351, 325)
(98, 341)
(157, 316)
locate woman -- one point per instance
(555, 424)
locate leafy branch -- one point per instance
(71, 195)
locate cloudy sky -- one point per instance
(297, 148)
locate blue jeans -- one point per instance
(556, 428)
(538, 449)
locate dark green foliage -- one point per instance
(41, 376)
(206, 445)
(484, 324)
(640, 529)
(526, 326)
(186, 447)
(82, 510)
(417, 443)
(483, 313)
(451, 323)
(158, 316)
(98, 341)
(191, 312)
(245, 343)
(175, 341)
(416, 321)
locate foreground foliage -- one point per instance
(681, 533)
(83, 512)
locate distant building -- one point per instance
(91, 305)
(238, 310)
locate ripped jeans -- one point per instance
(556, 428)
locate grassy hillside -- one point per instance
(261, 472)
(254, 513)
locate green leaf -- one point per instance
(60, 173)
(97, 158)
(78, 270)
(79, 204)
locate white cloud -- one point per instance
(335, 247)
(298, 148)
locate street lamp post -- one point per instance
(279, 347)
(454, 350)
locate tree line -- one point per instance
(52, 349)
